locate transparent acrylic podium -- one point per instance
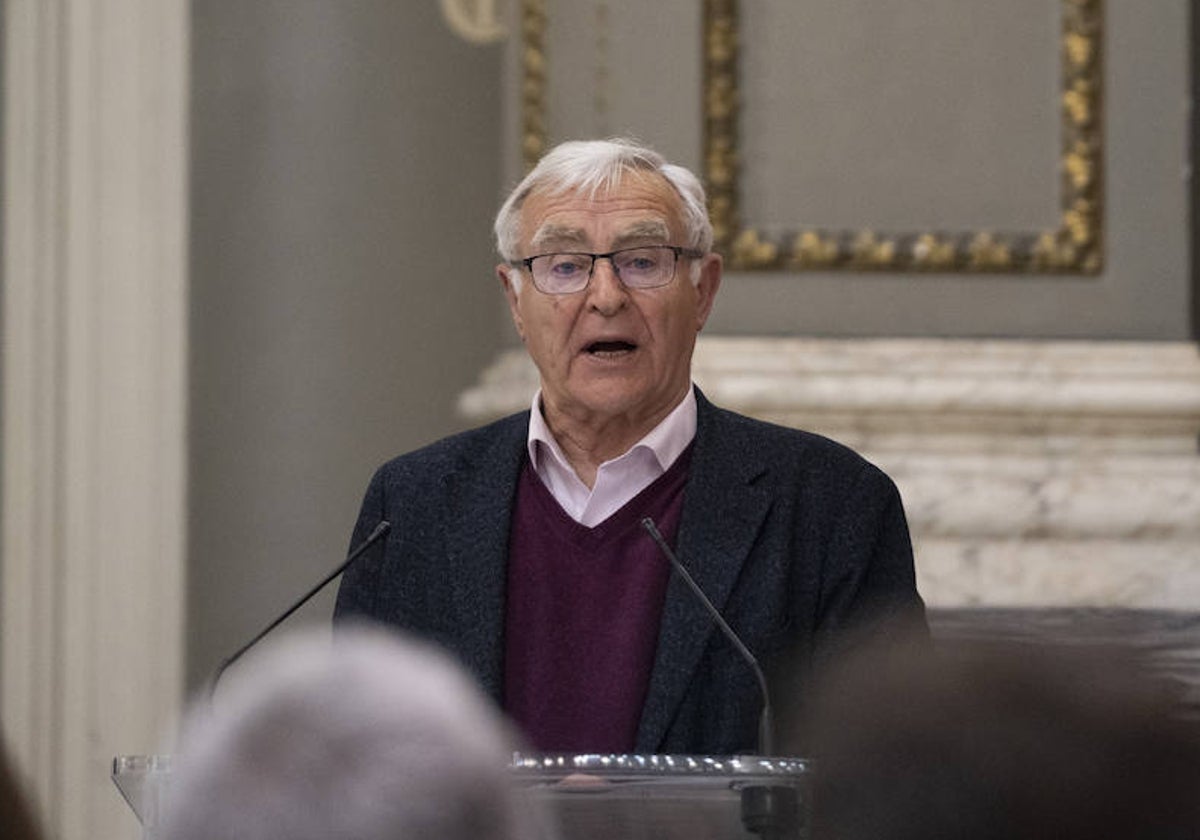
(602, 797)
(144, 780)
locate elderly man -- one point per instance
(519, 545)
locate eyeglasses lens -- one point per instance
(637, 268)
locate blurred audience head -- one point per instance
(363, 737)
(995, 741)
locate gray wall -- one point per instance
(345, 167)
(1145, 291)
(3, 224)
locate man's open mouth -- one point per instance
(597, 348)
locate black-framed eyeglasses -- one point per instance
(643, 267)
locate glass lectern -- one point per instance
(602, 797)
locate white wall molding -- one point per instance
(94, 379)
(1034, 473)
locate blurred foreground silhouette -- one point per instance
(1000, 740)
(369, 736)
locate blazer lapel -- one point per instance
(477, 530)
(723, 511)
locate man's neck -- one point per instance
(589, 441)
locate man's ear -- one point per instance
(511, 281)
(706, 287)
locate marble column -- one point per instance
(94, 389)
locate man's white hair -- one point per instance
(367, 737)
(592, 167)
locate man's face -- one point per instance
(609, 352)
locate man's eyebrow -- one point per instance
(554, 236)
(648, 231)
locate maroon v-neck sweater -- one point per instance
(582, 615)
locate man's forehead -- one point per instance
(649, 228)
(641, 203)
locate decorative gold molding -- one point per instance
(1076, 246)
(533, 81)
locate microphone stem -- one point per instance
(765, 725)
(382, 528)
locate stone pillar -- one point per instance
(94, 387)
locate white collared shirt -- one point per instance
(618, 480)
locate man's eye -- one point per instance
(640, 261)
(566, 268)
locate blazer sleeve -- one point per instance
(868, 588)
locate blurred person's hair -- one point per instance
(366, 736)
(994, 741)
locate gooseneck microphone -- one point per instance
(375, 536)
(770, 811)
(766, 727)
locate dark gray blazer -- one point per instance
(798, 541)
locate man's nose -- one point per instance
(606, 292)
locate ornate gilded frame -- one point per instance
(1076, 246)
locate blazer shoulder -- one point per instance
(478, 448)
(774, 444)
